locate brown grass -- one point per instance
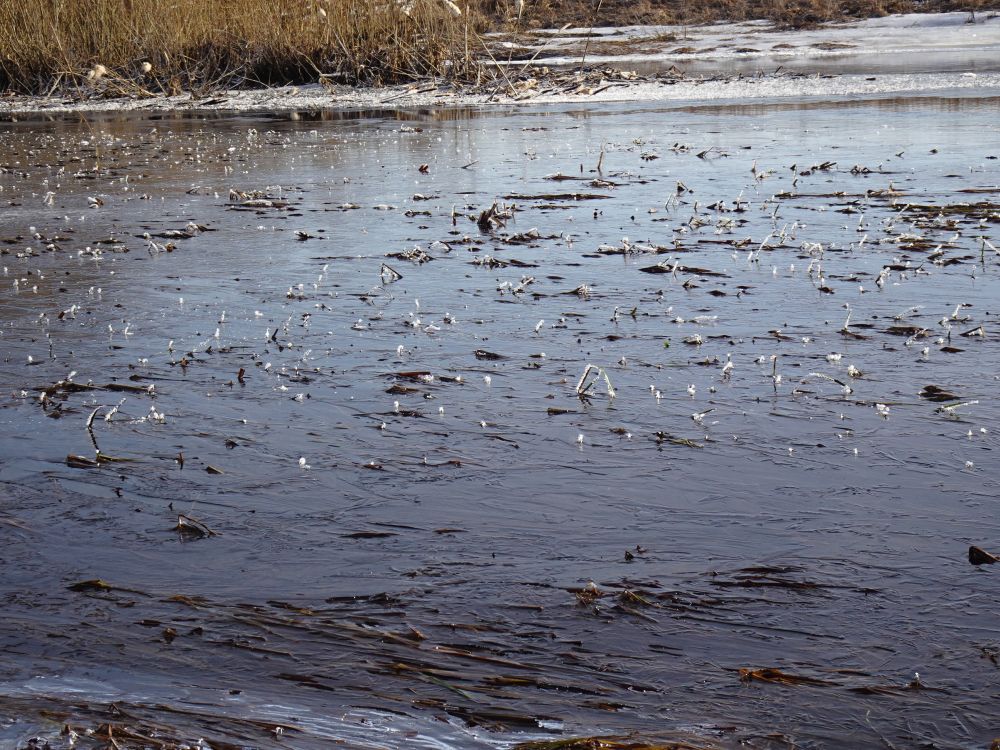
(194, 44)
(197, 45)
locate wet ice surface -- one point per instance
(907, 43)
(424, 579)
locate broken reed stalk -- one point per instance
(590, 34)
(592, 375)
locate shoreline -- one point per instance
(313, 98)
(743, 62)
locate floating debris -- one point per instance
(979, 556)
(192, 527)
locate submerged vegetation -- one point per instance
(146, 48)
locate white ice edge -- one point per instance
(313, 98)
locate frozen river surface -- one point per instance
(350, 487)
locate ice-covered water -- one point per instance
(408, 497)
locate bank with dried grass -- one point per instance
(155, 47)
(165, 46)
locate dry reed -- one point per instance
(173, 45)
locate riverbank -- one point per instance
(917, 53)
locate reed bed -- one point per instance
(160, 46)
